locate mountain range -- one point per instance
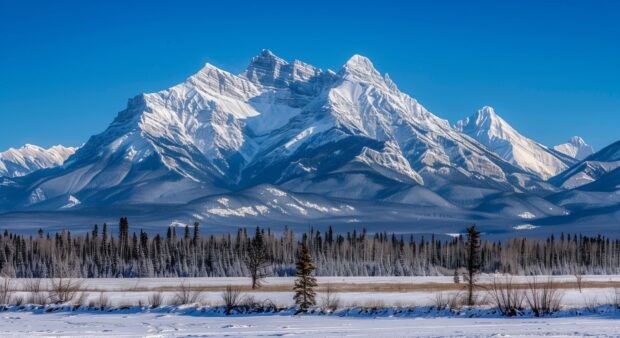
(287, 143)
(30, 158)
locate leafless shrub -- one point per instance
(80, 299)
(269, 304)
(103, 301)
(35, 291)
(6, 290)
(18, 300)
(250, 302)
(543, 297)
(441, 301)
(186, 295)
(456, 300)
(231, 297)
(374, 304)
(330, 300)
(156, 299)
(614, 298)
(507, 297)
(591, 303)
(65, 290)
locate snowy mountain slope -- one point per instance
(494, 132)
(359, 109)
(576, 148)
(590, 169)
(30, 158)
(330, 136)
(178, 144)
(600, 193)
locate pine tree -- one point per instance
(186, 233)
(473, 261)
(196, 234)
(305, 282)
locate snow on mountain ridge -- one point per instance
(590, 169)
(29, 158)
(349, 134)
(494, 132)
(576, 147)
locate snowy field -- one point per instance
(369, 307)
(352, 291)
(27, 324)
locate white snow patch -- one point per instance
(298, 208)
(454, 234)
(525, 227)
(178, 224)
(276, 192)
(240, 212)
(72, 202)
(291, 144)
(527, 215)
(223, 201)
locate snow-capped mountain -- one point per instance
(590, 169)
(594, 185)
(490, 129)
(30, 158)
(286, 142)
(348, 133)
(576, 148)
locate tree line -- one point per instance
(256, 253)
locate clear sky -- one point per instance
(550, 68)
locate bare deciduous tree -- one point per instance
(579, 279)
(6, 290)
(256, 259)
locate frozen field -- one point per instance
(352, 291)
(402, 307)
(26, 324)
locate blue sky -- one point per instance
(550, 68)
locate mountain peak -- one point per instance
(488, 128)
(359, 65)
(487, 111)
(29, 158)
(485, 121)
(576, 147)
(267, 55)
(264, 68)
(577, 140)
(269, 70)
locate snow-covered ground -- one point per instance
(351, 291)
(159, 324)
(395, 313)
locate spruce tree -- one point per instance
(473, 261)
(305, 282)
(196, 234)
